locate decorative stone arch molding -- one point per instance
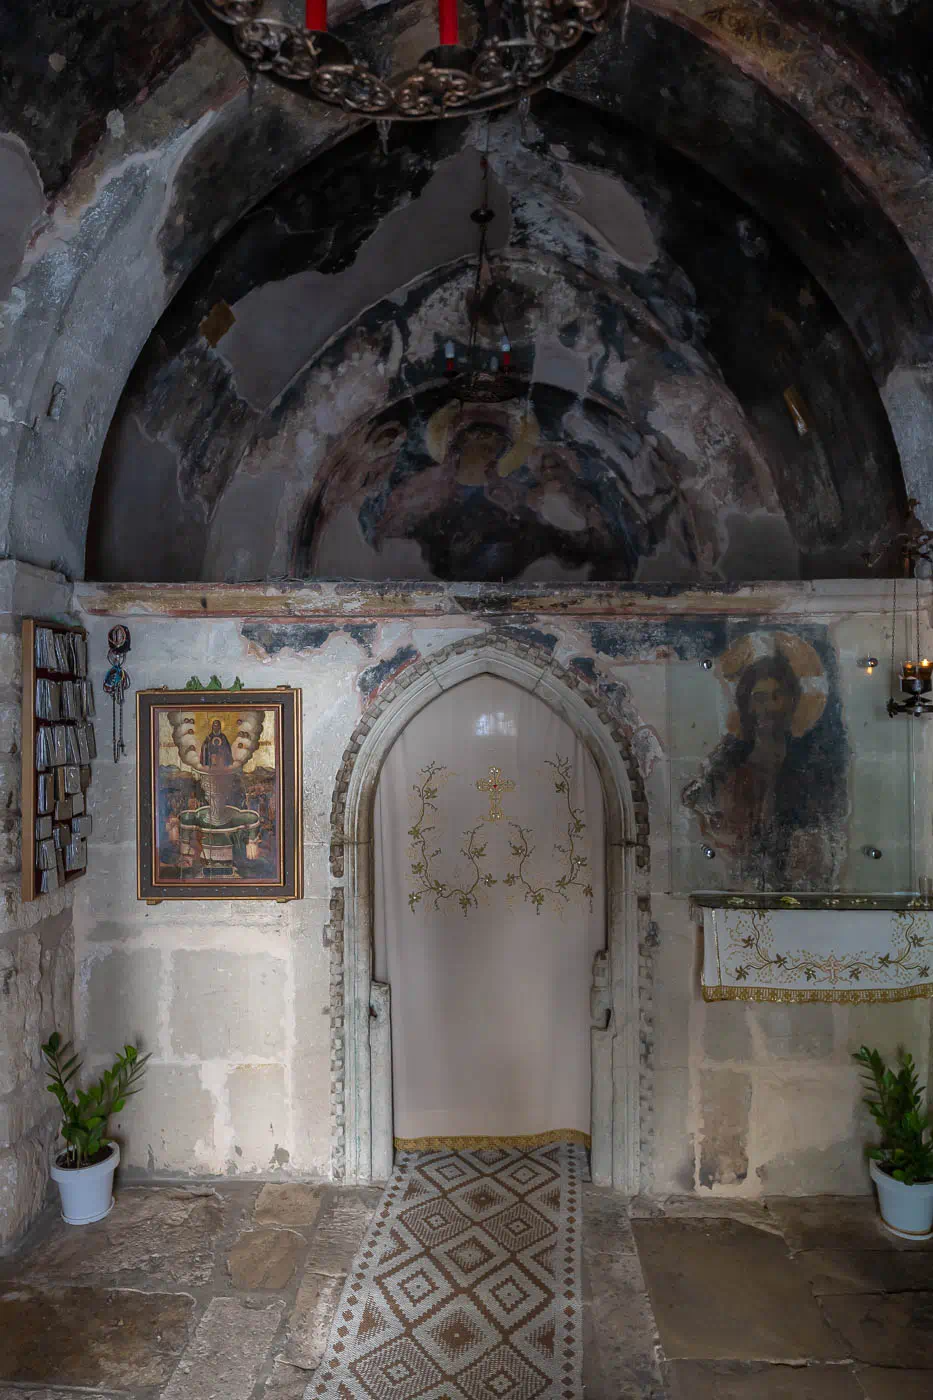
(362, 1146)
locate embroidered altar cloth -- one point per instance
(817, 955)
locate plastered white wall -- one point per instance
(233, 997)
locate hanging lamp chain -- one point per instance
(893, 635)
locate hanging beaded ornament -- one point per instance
(117, 682)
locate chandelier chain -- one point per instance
(894, 634)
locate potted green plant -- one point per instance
(902, 1164)
(84, 1170)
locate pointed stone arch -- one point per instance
(622, 1050)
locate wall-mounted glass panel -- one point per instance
(785, 765)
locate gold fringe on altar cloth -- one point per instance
(805, 955)
(461, 1144)
(803, 994)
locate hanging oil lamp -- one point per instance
(915, 675)
(488, 376)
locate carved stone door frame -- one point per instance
(363, 1088)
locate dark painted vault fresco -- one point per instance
(487, 492)
(289, 415)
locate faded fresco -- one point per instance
(217, 796)
(772, 798)
(548, 483)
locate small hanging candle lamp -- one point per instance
(916, 675)
(495, 383)
(526, 43)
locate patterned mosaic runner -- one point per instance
(467, 1285)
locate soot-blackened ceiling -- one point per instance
(64, 68)
(290, 412)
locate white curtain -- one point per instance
(486, 928)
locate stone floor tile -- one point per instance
(160, 1235)
(265, 1258)
(606, 1225)
(615, 1370)
(285, 1383)
(894, 1329)
(310, 1320)
(93, 1337)
(15, 1392)
(867, 1270)
(227, 1353)
(341, 1227)
(834, 1223)
(703, 1207)
(880, 1383)
(619, 1324)
(288, 1203)
(723, 1289)
(646, 1208)
(756, 1380)
(241, 1193)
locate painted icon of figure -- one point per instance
(766, 800)
(215, 751)
(172, 831)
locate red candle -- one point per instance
(447, 20)
(316, 15)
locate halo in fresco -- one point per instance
(803, 661)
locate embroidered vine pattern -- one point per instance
(573, 876)
(430, 887)
(907, 961)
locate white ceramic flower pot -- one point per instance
(87, 1192)
(905, 1210)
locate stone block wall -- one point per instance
(758, 1098)
(241, 1001)
(36, 939)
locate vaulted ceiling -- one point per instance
(713, 247)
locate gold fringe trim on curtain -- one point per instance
(847, 996)
(459, 1144)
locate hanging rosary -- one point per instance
(117, 681)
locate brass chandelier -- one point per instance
(526, 43)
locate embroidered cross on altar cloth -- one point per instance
(495, 785)
(840, 955)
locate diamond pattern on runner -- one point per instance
(396, 1371)
(504, 1375)
(467, 1286)
(482, 1198)
(456, 1336)
(518, 1227)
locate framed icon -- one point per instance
(219, 794)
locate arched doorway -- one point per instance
(362, 1084)
(488, 918)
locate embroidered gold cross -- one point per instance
(495, 785)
